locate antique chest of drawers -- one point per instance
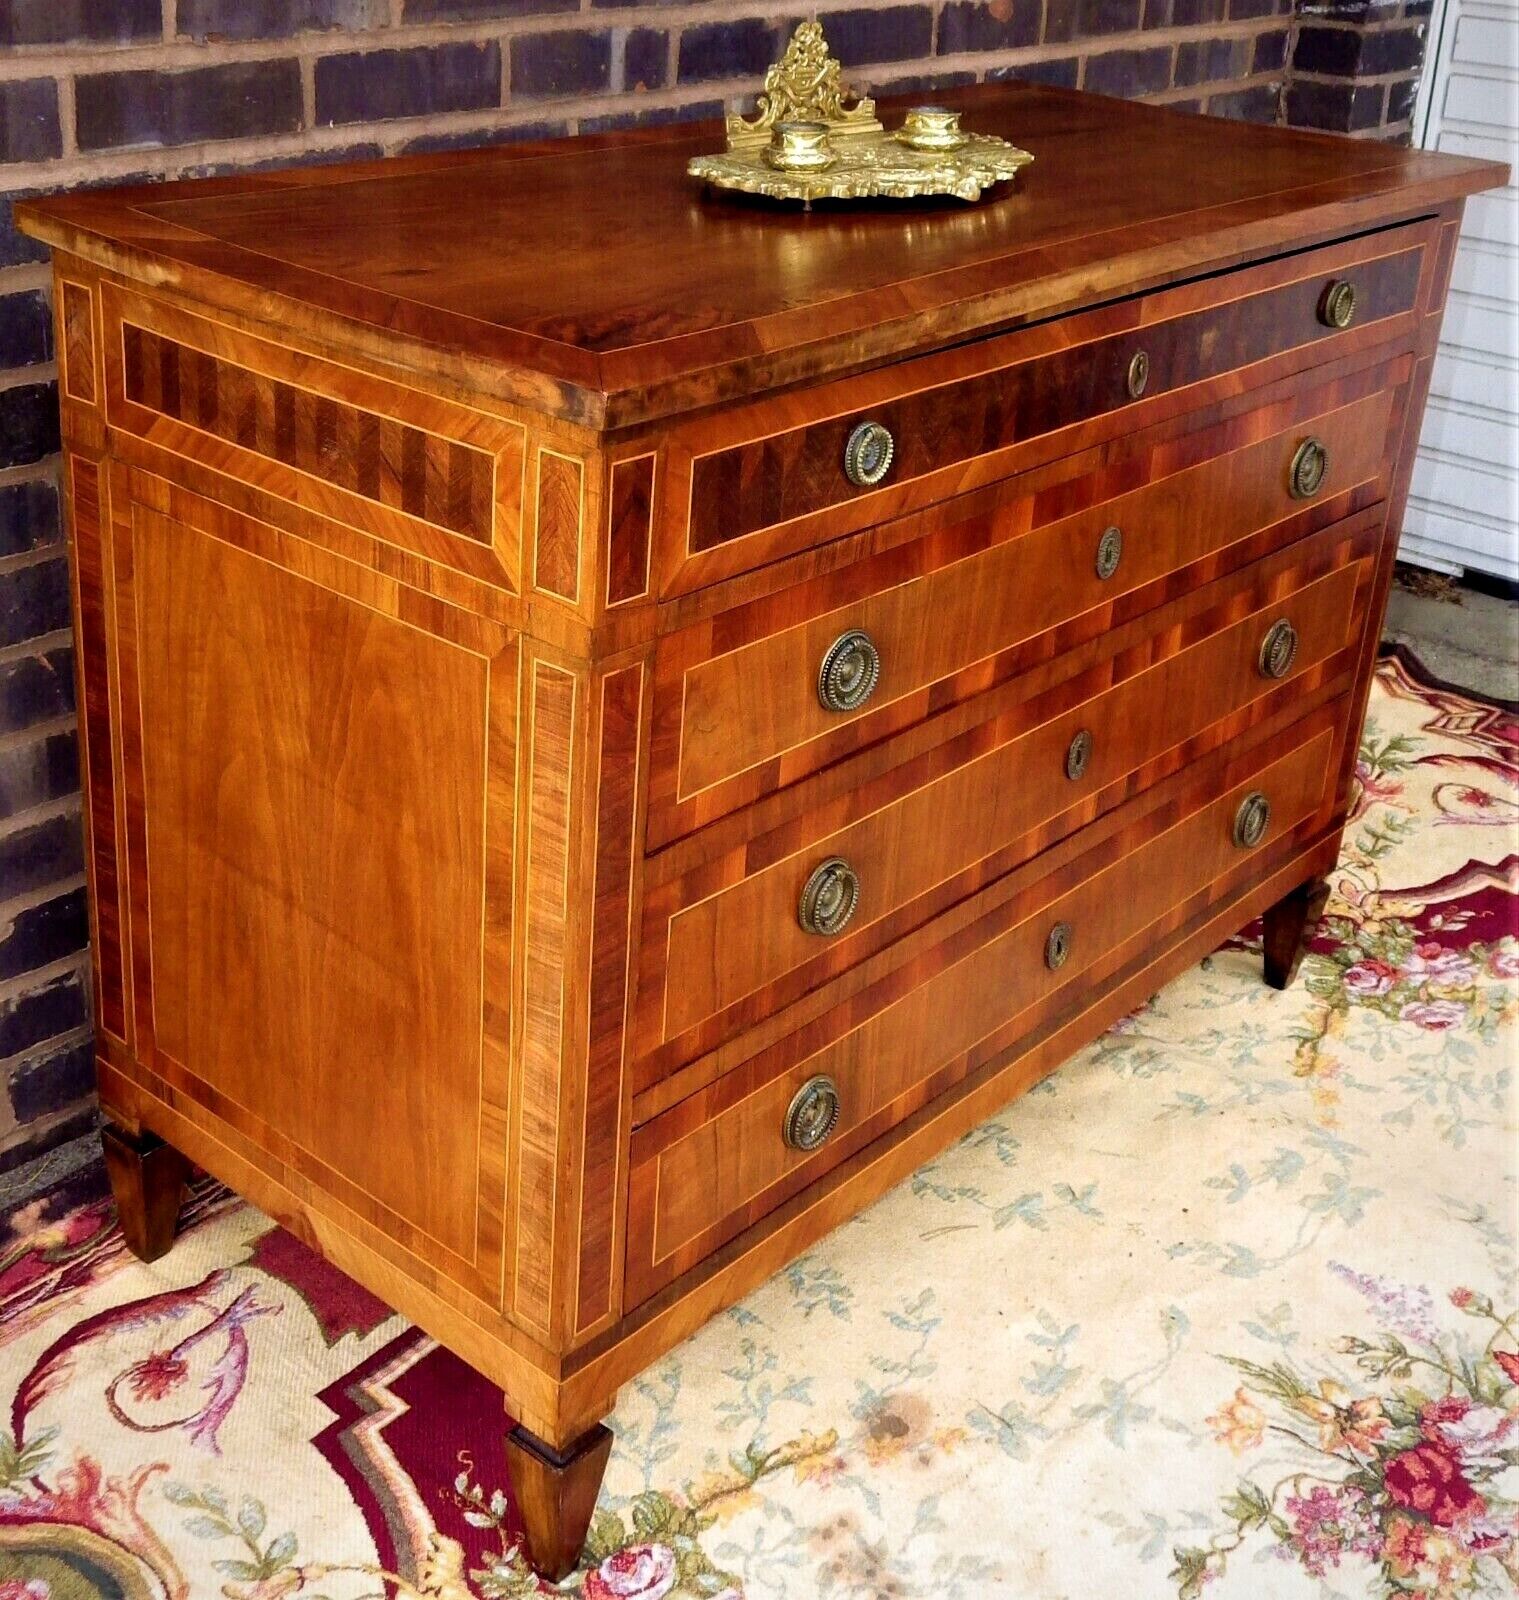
(619, 721)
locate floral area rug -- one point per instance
(1227, 1307)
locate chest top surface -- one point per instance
(592, 278)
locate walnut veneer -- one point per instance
(457, 544)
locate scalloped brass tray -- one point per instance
(805, 144)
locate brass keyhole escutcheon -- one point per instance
(1057, 948)
(1278, 649)
(1078, 755)
(1139, 374)
(1109, 552)
(1251, 820)
(1337, 307)
(829, 897)
(850, 671)
(812, 1115)
(868, 454)
(1309, 465)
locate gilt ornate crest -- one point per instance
(805, 85)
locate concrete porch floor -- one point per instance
(1466, 637)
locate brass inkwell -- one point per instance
(805, 144)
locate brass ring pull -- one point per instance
(1057, 948)
(1278, 649)
(869, 454)
(1251, 820)
(1109, 552)
(850, 671)
(829, 897)
(1078, 755)
(1309, 466)
(1139, 374)
(1337, 306)
(812, 1115)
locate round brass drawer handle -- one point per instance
(869, 454)
(812, 1115)
(1139, 374)
(850, 671)
(829, 897)
(1057, 948)
(1309, 466)
(1078, 755)
(1109, 552)
(1251, 820)
(1337, 306)
(1278, 649)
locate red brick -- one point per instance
(378, 85)
(552, 65)
(276, 19)
(1129, 72)
(29, 127)
(28, 423)
(80, 21)
(236, 100)
(1003, 25)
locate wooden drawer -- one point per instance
(717, 1161)
(754, 484)
(736, 709)
(722, 942)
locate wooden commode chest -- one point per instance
(619, 721)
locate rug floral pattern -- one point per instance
(1227, 1307)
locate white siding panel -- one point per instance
(1463, 504)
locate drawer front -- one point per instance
(724, 943)
(737, 708)
(749, 486)
(719, 1160)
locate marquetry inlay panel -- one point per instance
(435, 479)
(92, 664)
(561, 516)
(547, 1020)
(76, 316)
(630, 531)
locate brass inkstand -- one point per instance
(805, 144)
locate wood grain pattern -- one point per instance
(435, 480)
(561, 518)
(717, 1162)
(1286, 928)
(630, 534)
(435, 477)
(947, 611)
(555, 1492)
(787, 475)
(607, 1097)
(722, 940)
(358, 982)
(455, 826)
(355, 976)
(148, 1184)
(548, 991)
(953, 464)
(93, 697)
(77, 341)
(607, 288)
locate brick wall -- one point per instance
(96, 91)
(1354, 66)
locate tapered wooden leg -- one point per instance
(148, 1181)
(1287, 928)
(556, 1494)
